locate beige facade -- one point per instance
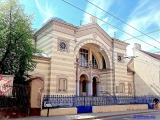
(84, 60)
(146, 67)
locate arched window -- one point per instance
(83, 57)
(104, 63)
(94, 62)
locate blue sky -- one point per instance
(143, 15)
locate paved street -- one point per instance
(125, 115)
(148, 116)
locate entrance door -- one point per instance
(94, 87)
(83, 85)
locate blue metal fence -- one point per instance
(74, 101)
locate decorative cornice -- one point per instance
(35, 78)
(66, 25)
(120, 42)
(94, 29)
(43, 28)
(54, 22)
(41, 58)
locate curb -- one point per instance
(113, 115)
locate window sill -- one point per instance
(84, 66)
(62, 91)
(121, 92)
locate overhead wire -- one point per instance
(146, 62)
(130, 38)
(123, 40)
(137, 59)
(108, 23)
(126, 39)
(142, 34)
(121, 21)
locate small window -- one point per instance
(129, 88)
(62, 84)
(122, 87)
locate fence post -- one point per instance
(47, 111)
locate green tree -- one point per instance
(16, 36)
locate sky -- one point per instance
(138, 16)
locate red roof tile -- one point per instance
(152, 54)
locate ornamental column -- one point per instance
(91, 81)
(77, 78)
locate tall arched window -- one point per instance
(94, 62)
(104, 63)
(83, 57)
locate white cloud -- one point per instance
(100, 14)
(96, 11)
(144, 17)
(45, 10)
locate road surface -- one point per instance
(148, 116)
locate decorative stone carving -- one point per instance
(94, 35)
(93, 19)
(63, 46)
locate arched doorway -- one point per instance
(94, 87)
(83, 85)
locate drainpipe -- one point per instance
(113, 66)
(134, 85)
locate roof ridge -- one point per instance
(156, 56)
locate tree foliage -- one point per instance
(16, 36)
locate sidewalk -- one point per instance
(89, 115)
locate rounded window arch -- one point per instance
(83, 57)
(105, 52)
(95, 61)
(103, 63)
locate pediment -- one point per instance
(95, 30)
